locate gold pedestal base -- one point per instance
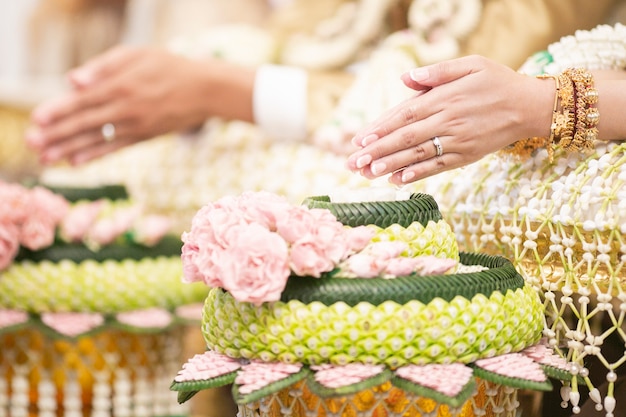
(383, 401)
(113, 373)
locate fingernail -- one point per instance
(378, 168)
(363, 161)
(369, 139)
(34, 138)
(419, 74)
(407, 176)
(81, 77)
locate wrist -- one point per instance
(227, 90)
(543, 104)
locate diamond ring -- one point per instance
(438, 146)
(108, 132)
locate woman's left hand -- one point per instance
(464, 109)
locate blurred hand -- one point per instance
(473, 105)
(141, 92)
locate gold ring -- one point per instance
(438, 146)
(108, 132)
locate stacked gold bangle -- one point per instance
(574, 116)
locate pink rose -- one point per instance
(255, 268)
(401, 266)
(387, 249)
(80, 218)
(217, 225)
(102, 233)
(9, 244)
(365, 265)
(263, 207)
(359, 237)
(296, 224)
(37, 233)
(307, 259)
(189, 251)
(45, 203)
(432, 265)
(106, 230)
(14, 205)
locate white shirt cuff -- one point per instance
(280, 101)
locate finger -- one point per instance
(102, 66)
(392, 119)
(442, 72)
(94, 152)
(396, 161)
(90, 118)
(388, 152)
(426, 168)
(87, 145)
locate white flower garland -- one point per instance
(603, 47)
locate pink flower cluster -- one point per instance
(250, 245)
(31, 217)
(85, 223)
(28, 217)
(385, 259)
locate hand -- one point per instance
(474, 107)
(142, 93)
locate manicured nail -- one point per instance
(407, 176)
(378, 168)
(419, 74)
(82, 77)
(363, 161)
(369, 139)
(34, 138)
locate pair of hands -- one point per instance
(473, 105)
(142, 92)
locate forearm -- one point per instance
(226, 90)
(611, 105)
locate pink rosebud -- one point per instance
(106, 230)
(359, 237)
(102, 233)
(387, 249)
(401, 266)
(151, 229)
(432, 265)
(365, 266)
(79, 220)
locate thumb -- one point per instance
(423, 78)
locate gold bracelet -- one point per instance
(549, 143)
(564, 119)
(586, 115)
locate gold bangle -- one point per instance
(586, 114)
(565, 118)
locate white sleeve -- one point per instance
(280, 101)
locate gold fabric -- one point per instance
(512, 30)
